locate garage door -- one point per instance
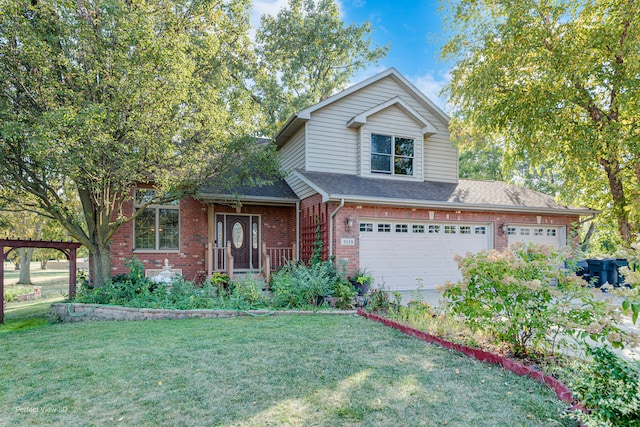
(406, 255)
(542, 235)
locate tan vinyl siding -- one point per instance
(394, 122)
(440, 158)
(333, 147)
(292, 153)
(298, 186)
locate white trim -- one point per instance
(448, 205)
(303, 116)
(361, 119)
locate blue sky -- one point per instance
(412, 28)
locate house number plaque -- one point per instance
(348, 242)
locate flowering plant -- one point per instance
(522, 296)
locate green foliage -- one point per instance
(11, 292)
(380, 299)
(523, 297)
(344, 294)
(554, 84)
(98, 97)
(299, 285)
(246, 295)
(305, 54)
(609, 387)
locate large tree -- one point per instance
(97, 96)
(556, 82)
(307, 53)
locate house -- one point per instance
(373, 173)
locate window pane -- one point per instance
(169, 228)
(404, 147)
(146, 230)
(366, 227)
(380, 163)
(380, 144)
(403, 166)
(402, 228)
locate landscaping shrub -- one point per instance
(523, 297)
(11, 292)
(299, 285)
(609, 387)
(246, 295)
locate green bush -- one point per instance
(344, 293)
(11, 292)
(523, 297)
(299, 285)
(246, 295)
(609, 387)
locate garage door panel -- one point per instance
(404, 261)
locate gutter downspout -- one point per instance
(297, 254)
(333, 214)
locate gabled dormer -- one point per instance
(383, 128)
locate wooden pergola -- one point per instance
(67, 248)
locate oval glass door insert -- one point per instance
(237, 235)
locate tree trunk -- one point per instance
(612, 169)
(43, 264)
(100, 257)
(25, 265)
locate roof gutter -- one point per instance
(333, 214)
(457, 206)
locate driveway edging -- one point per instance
(561, 390)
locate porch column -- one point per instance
(72, 272)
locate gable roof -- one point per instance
(466, 194)
(294, 122)
(361, 119)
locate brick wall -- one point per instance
(355, 212)
(278, 229)
(193, 238)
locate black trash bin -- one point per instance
(606, 271)
(600, 270)
(620, 262)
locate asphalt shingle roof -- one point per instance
(278, 189)
(466, 191)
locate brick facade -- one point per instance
(278, 225)
(351, 254)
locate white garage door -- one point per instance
(542, 235)
(406, 255)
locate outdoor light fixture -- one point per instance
(348, 223)
(502, 229)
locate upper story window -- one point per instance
(158, 227)
(392, 155)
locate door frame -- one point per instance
(253, 219)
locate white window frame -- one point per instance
(393, 156)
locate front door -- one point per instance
(238, 232)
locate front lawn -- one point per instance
(280, 370)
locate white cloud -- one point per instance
(272, 7)
(268, 7)
(431, 84)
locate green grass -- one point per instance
(282, 370)
(33, 314)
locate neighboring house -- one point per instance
(373, 172)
